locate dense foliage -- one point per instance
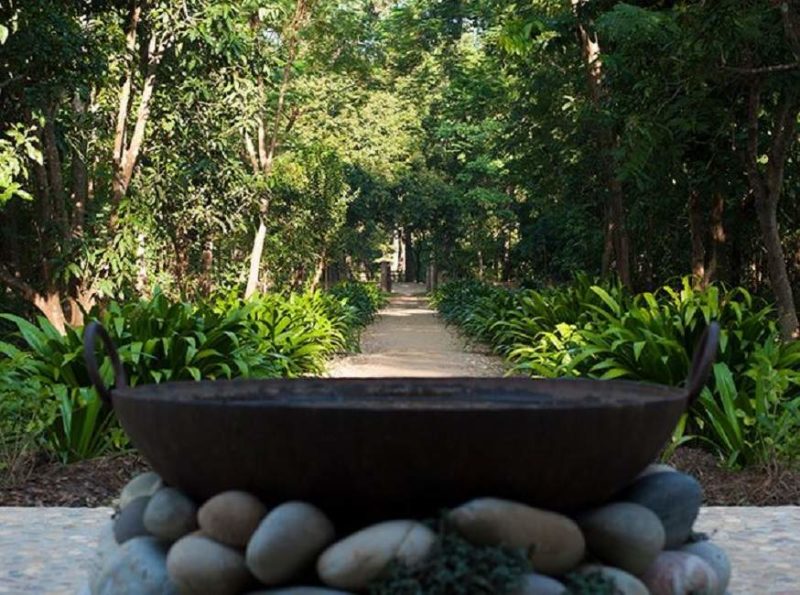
(249, 149)
(199, 145)
(46, 396)
(749, 414)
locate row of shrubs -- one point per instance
(748, 414)
(46, 399)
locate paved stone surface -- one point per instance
(410, 340)
(46, 550)
(762, 543)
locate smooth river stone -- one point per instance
(144, 484)
(170, 514)
(200, 566)
(623, 534)
(674, 497)
(626, 584)
(231, 517)
(287, 540)
(107, 546)
(356, 560)
(539, 584)
(138, 567)
(679, 573)
(554, 543)
(714, 556)
(129, 522)
(299, 591)
(654, 468)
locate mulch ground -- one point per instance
(98, 482)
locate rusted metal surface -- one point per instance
(368, 448)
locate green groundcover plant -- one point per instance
(46, 399)
(750, 412)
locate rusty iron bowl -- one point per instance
(377, 448)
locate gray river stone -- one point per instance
(201, 566)
(287, 540)
(138, 567)
(144, 484)
(170, 514)
(674, 497)
(356, 560)
(299, 591)
(623, 534)
(129, 523)
(539, 584)
(625, 583)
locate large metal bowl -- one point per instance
(391, 447)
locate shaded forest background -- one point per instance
(204, 145)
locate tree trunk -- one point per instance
(778, 275)
(255, 259)
(621, 241)
(49, 302)
(319, 270)
(616, 228)
(717, 261)
(767, 189)
(696, 225)
(207, 263)
(410, 273)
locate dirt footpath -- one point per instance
(409, 339)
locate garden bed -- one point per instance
(98, 481)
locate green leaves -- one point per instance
(748, 416)
(159, 341)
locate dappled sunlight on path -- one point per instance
(409, 339)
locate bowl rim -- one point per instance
(463, 393)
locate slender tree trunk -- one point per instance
(207, 263)
(767, 189)
(410, 274)
(261, 158)
(696, 232)
(319, 270)
(126, 151)
(79, 196)
(255, 259)
(615, 225)
(716, 262)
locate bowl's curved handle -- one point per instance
(92, 331)
(704, 354)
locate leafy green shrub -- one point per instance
(43, 379)
(364, 298)
(748, 415)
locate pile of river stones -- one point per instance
(161, 542)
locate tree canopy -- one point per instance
(195, 145)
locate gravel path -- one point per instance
(409, 339)
(46, 550)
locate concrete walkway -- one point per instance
(409, 339)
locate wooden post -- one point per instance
(386, 276)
